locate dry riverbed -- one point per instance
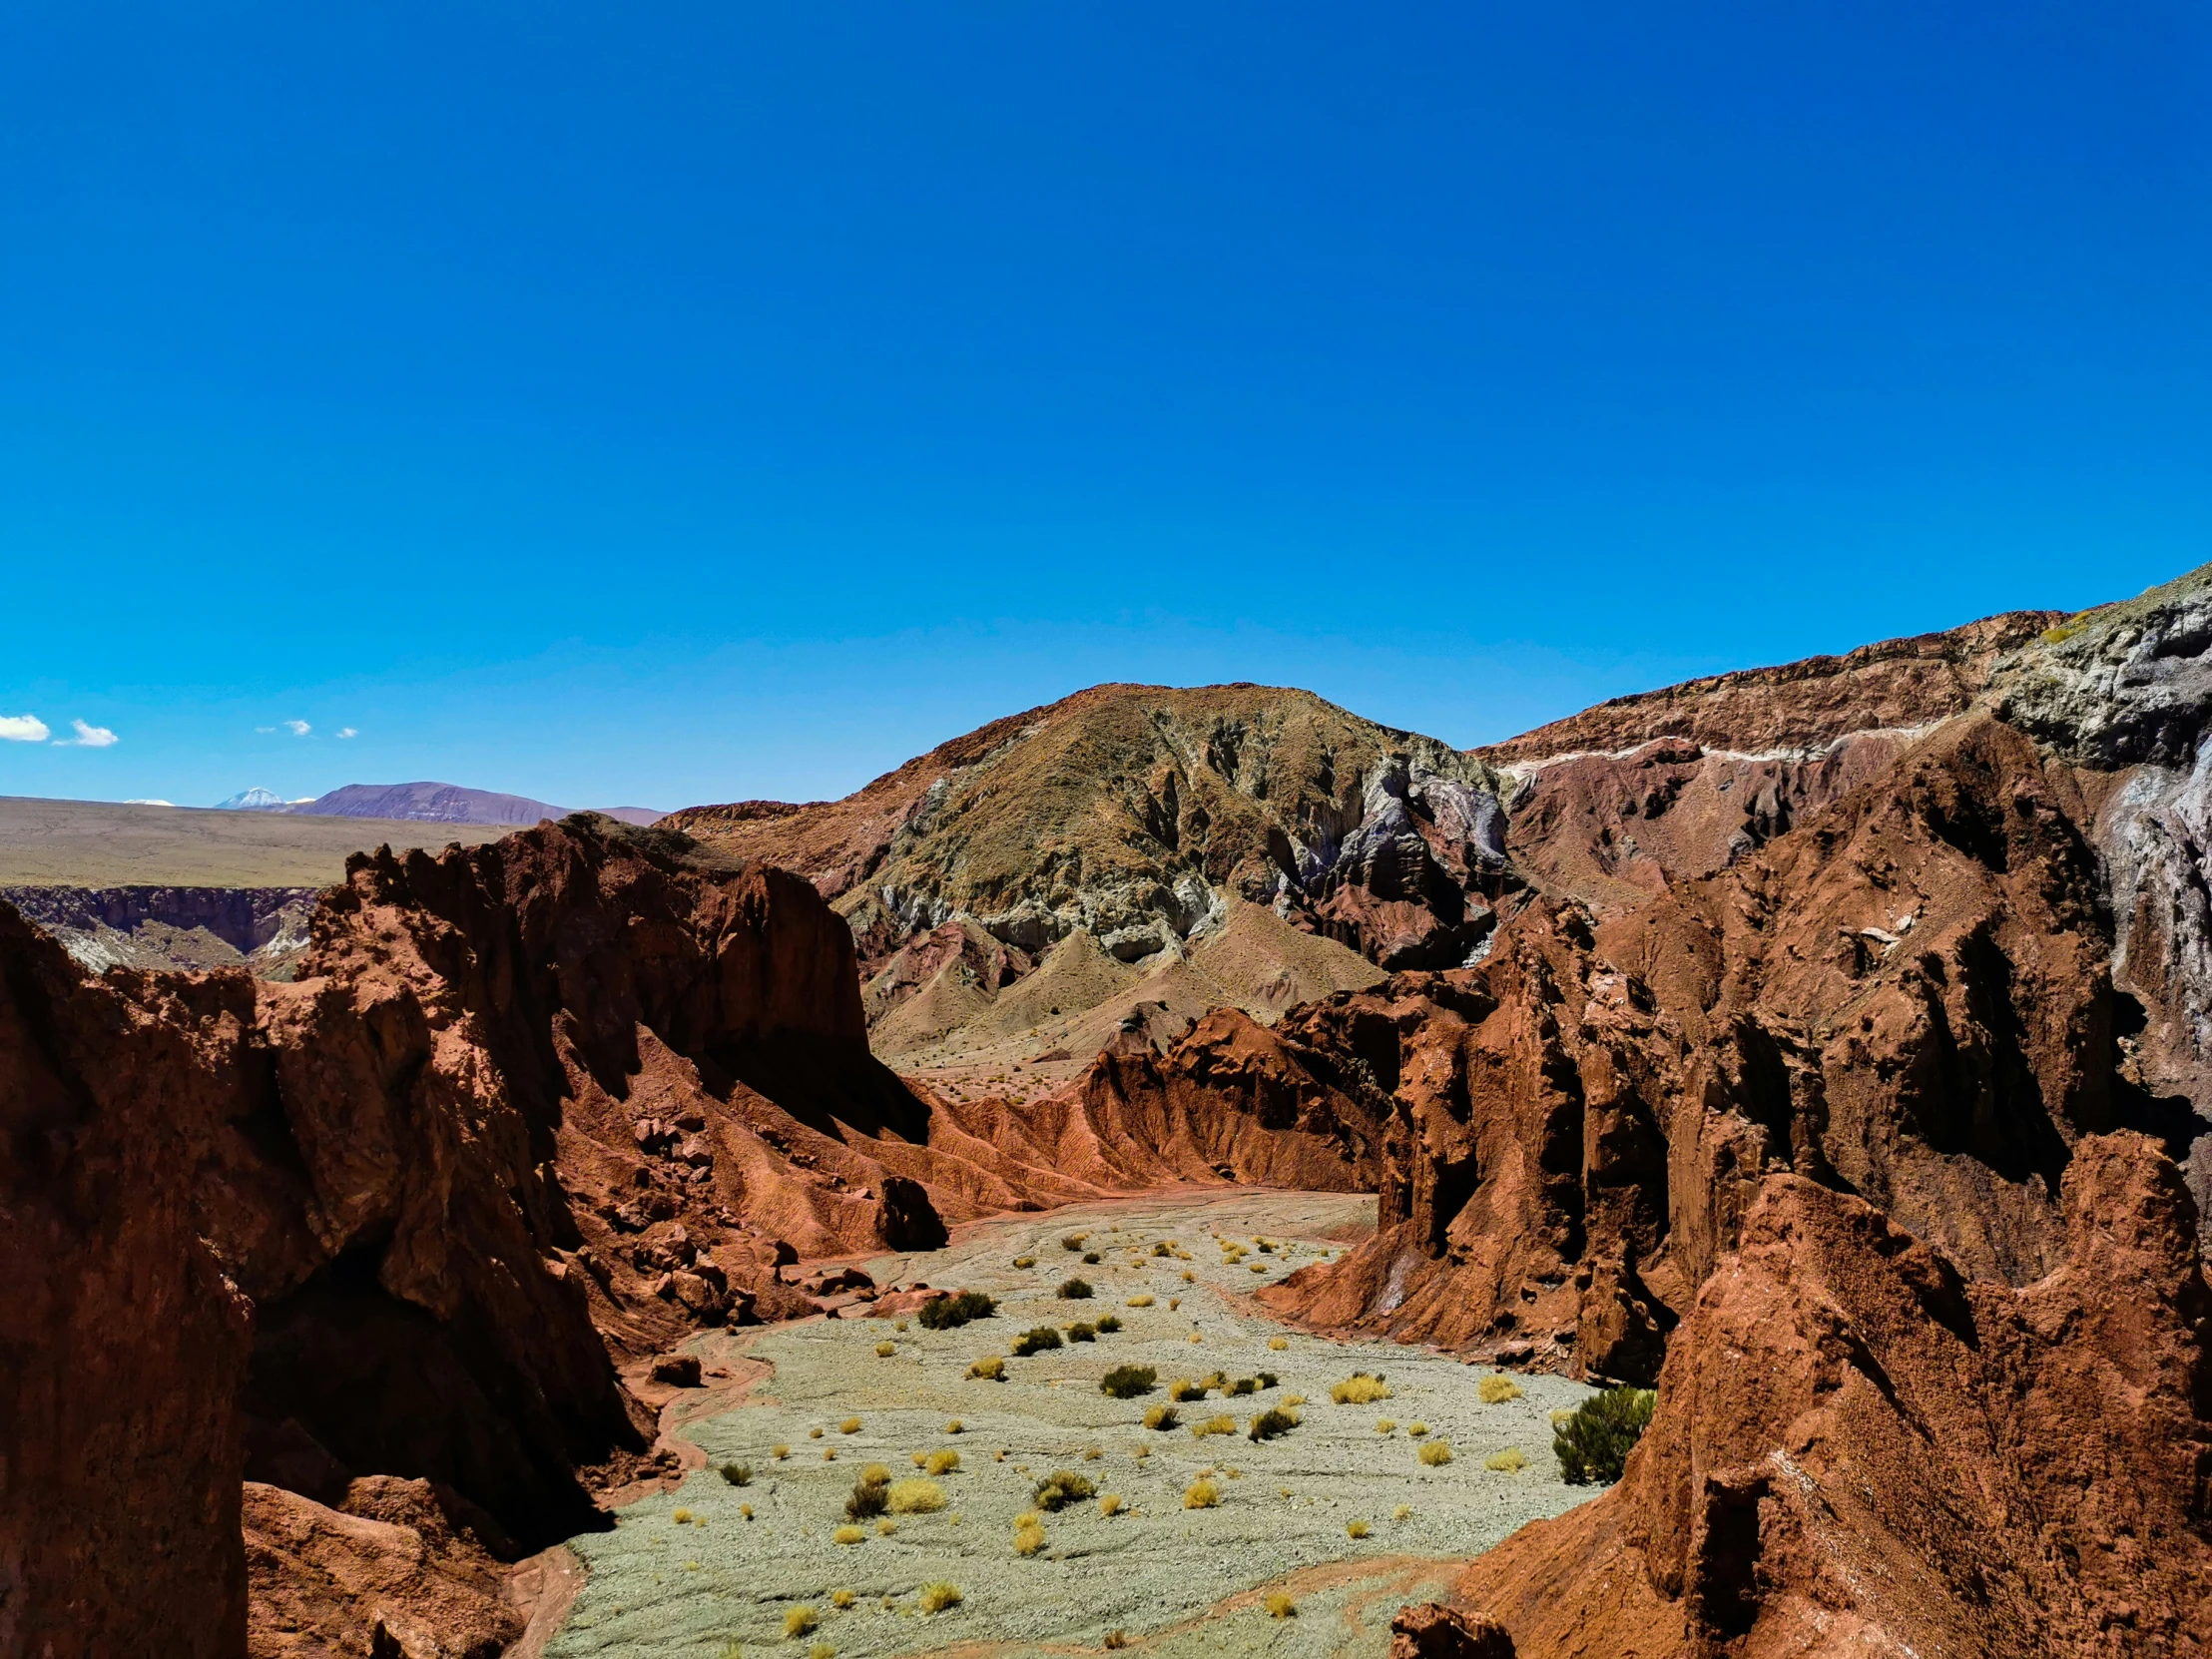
(743, 1560)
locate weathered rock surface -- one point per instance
(122, 1347)
(261, 929)
(1858, 1449)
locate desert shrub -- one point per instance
(1174, 1302)
(1358, 1389)
(1272, 1421)
(1278, 1345)
(942, 1462)
(1073, 1242)
(799, 1622)
(876, 1474)
(1259, 1267)
(746, 1509)
(1417, 1430)
(1117, 1638)
(1386, 1425)
(919, 1459)
(850, 1425)
(847, 1535)
(681, 1517)
(1281, 1606)
(1183, 1390)
(738, 1475)
(1028, 1540)
(1139, 1301)
(1594, 1443)
(1109, 1503)
(1357, 1530)
(945, 1313)
(1222, 1424)
(1497, 1390)
(936, 1598)
(1509, 1461)
(956, 1427)
(1082, 1332)
(1128, 1382)
(778, 1453)
(1108, 1324)
(1403, 1512)
(1166, 1247)
(1092, 1455)
(1200, 1494)
(1242, 1386)
(1188, 1276)
(1035, 1341)
(1268, 1379)
(886, 1528)
(1162, 1417)
(1293, 1401)
(1060, 1488)
(828, 1455)
(884, 1350)
(842, 1599)
(870, 1498)
(916, 1496)
(899, 1326)
(822, 1650)
(1025, 1261)
(1091, 1258)
(814, 1433)
(1437, 1453)
(989, 1369)
(1074, 1290)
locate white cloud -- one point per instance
(88, 737)
(297, 728)
(347, 732)
(21, 729)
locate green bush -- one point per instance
(1109, 1323)
(1075, 1290)
(943, 1312)
(1036, 1341)
(1128, 1382)
(1595, 1440)
(738, 1475)
(1081, 1332)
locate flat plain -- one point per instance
(97, 843)
(1340, 1517)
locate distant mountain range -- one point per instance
(426, 804)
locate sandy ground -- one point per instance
(1177, 1581)
(94, 844)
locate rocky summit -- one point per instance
(1823, 1046)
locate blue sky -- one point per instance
(657, 404)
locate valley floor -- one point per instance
(1177, 1581)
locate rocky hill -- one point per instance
(1226, 846)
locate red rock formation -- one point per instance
(121, 1346)
(397, 1569)
(1858, 1450)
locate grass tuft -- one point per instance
(884, 1350)
(936, 1597)
(1437, 1453)
(1280, 1605)
(990, 1368)
(916, 1496)
(1386, 1425)
(1109, 1503)
(1497, 1390)
(1128, 1382)
(956, 1427)
(1074, 1290)
(1061, 1488)
(945, 1313)
(842, 1599)
(942, 1462)
(1222, 1424)
(1162, 1417)
(798, 1621)
(1108, 1324)
(1200, 1494)
(738, 1475)
(1509, 1461)
(847, 1535)
(1028, 1540)
(1144, 1300)
(1035, 1341)
(1357, 1530)
(1417, 1430)
(778, 1453)
(1359, 1390)
(1278, 1345)
(1272, 1421)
